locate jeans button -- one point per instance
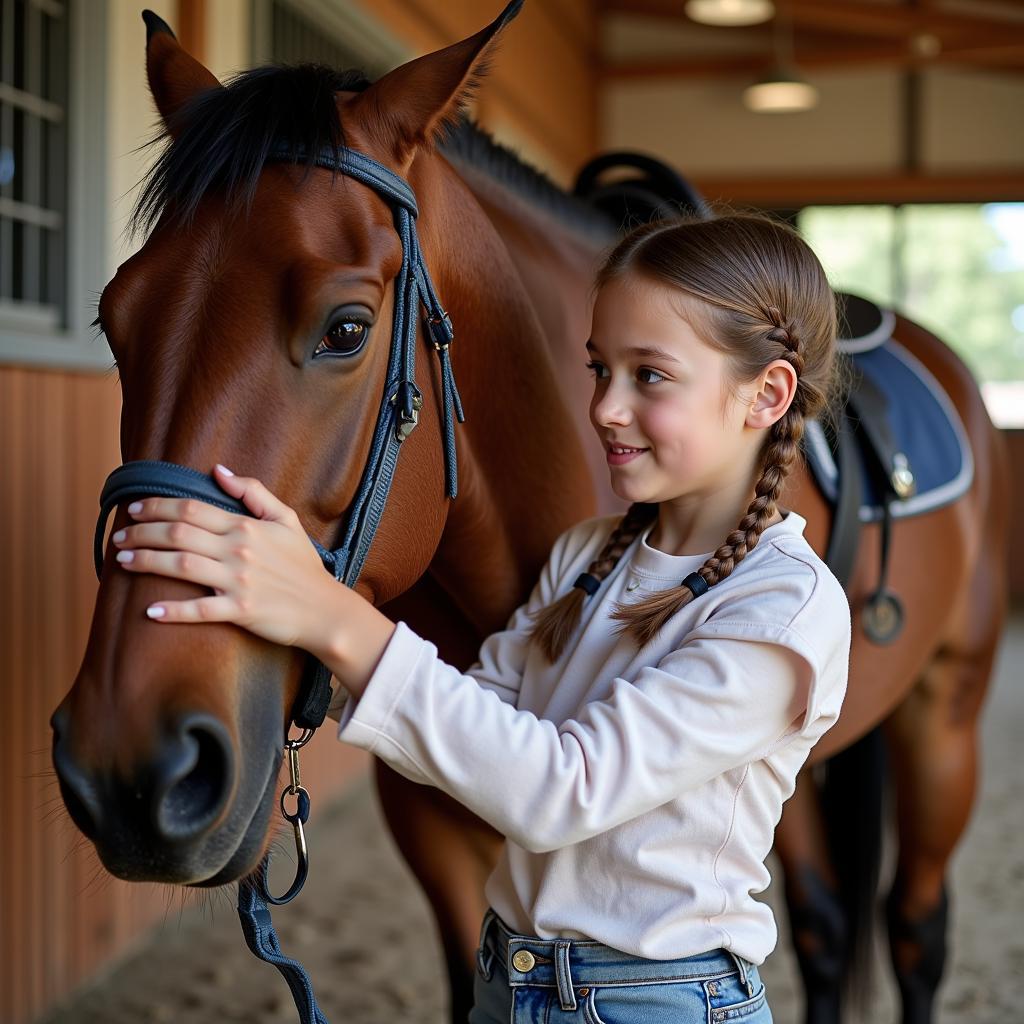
(523, 960)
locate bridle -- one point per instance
(398, 415)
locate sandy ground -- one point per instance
(364, 931)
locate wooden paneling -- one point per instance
(62, 916)
(542, 82)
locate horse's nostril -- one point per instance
(76, 786)
(196, 778)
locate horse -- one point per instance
(231, 329)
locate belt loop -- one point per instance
(743, 967)
(484, 958)
(563, 976)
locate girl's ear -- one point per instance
(776, 389)
(410, 106)
(174, 75)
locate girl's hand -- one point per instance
(265, 574)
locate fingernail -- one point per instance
(119, 536)
(125, 556)
(154, 611)
(225, 470)
(135, 506)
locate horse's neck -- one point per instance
(517, 289)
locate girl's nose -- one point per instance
(610, 410)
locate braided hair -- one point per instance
(756, 292)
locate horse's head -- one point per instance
(253, 328)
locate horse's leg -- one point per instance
(451, 852)
(932, 739)
(817, 921)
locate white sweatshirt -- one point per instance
(638, 789)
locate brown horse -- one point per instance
(168, 745)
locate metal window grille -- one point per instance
(296, 38)
(34, 58)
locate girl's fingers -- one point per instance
(256, 497)
(174, 536)
(200, 609)
(185, 510)
(180, 565)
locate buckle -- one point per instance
(441, 330)
(407, 408)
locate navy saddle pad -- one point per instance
(924, 423)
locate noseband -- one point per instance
(398, 415)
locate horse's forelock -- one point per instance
(229, 132)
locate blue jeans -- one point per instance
(521, 979)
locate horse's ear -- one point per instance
(409, 106)
(174, 75)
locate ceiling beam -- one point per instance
(844, 16)
(790, 193)
(1007, 53)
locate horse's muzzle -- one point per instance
(152, 821)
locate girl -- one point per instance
(637, 727)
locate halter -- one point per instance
(398, 416)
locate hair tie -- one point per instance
(696, 583)
(588, 582)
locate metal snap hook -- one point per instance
(297, 819)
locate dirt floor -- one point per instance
(364, 932)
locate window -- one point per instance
(51, 198)
(290, 31)
(956, 269)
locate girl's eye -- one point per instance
(595, 369)
(345, 338)
(653, 373)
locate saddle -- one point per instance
(896, 448)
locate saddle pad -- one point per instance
(925, 425)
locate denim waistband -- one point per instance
(564, 963)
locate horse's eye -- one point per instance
(345, 338)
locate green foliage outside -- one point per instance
(956, 269)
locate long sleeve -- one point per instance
(714, 703)
(502, 657)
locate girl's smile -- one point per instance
(619, 455)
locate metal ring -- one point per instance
(301, 871)
(301, 814)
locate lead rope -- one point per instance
(254, 895)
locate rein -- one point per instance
(398, 416)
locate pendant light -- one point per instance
(781, 90)
(729, 12)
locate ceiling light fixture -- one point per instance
(782, 90)
(730, 12)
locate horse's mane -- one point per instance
(229, 133)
